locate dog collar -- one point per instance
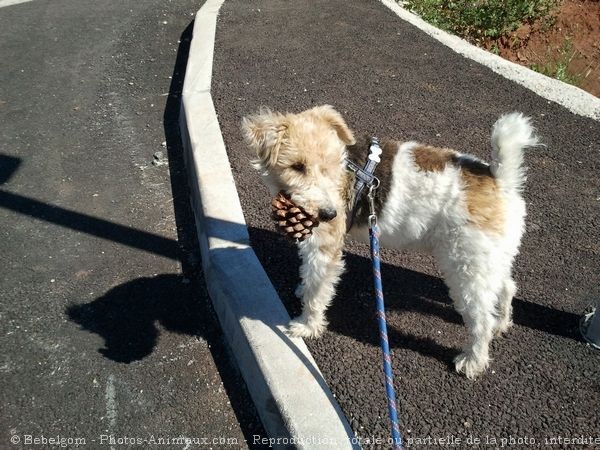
(365, 176)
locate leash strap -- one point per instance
(365, 176)
(385, 347)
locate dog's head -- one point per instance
(303, 155)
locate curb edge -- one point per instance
(292, 398)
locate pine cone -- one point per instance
(292, 220)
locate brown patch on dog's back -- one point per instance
(432, 159)
(484, 201)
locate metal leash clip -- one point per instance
(371, 197)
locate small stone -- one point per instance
(158, 159)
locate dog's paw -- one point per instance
(469, 365)
(306, 329)
(503, 327)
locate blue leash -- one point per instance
(385, 347)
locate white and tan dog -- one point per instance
(469, 214)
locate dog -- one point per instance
(470, 215)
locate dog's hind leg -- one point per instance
(508, 291)
(478, 308)
(320, 273)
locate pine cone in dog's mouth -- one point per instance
(291, 219)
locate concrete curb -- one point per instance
(571, 97)
(4, 3)
(295, 405)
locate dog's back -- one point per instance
(436, 192)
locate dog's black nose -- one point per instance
(327, 214)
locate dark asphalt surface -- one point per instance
(106, 327)
(390, 79)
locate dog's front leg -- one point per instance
(320, 272)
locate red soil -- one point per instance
(571, 38)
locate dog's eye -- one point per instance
(298, 167)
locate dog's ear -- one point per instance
(335, 119)
(263, 133)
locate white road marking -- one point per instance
(111, 401)
(4, 3)
(111, 404)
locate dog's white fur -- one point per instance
(432, 210)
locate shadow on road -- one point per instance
(129, 318)
(94, 226)
(184, 216)
(405, 290)
(8, 167)
(128, 315)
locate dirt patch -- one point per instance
(565, 45)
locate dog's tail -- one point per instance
(511, 134)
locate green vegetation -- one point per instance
(558, 68)
(485, 21)
(479, 20)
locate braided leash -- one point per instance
(385, 347)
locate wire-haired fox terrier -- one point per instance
(469, 214)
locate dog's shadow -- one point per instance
(128, 316)
(405, 291)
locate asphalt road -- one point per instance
(106, 327)
(390, 79)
